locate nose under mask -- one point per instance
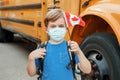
(57, 33)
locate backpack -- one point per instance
(70, 65)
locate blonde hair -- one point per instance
(53, 15)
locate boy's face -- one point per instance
(56, 30)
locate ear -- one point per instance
(46, 29)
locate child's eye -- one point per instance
(61, 26)
(53, 26)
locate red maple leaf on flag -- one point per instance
(72, 20)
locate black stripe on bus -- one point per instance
(33, 39)
(31, 6)
(27, 22)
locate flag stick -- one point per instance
(69, 33)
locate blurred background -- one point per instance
(13, 59)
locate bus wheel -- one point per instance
(103, 52)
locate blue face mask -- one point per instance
(57, 34)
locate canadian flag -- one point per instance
(72, 20)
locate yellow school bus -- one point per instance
(99, 39)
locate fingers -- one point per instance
(41, 53)
(74, 46)
(38, 53)
(42, 50)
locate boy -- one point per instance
(55, 55)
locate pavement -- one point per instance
(13, 60)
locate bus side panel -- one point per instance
(22, 16)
